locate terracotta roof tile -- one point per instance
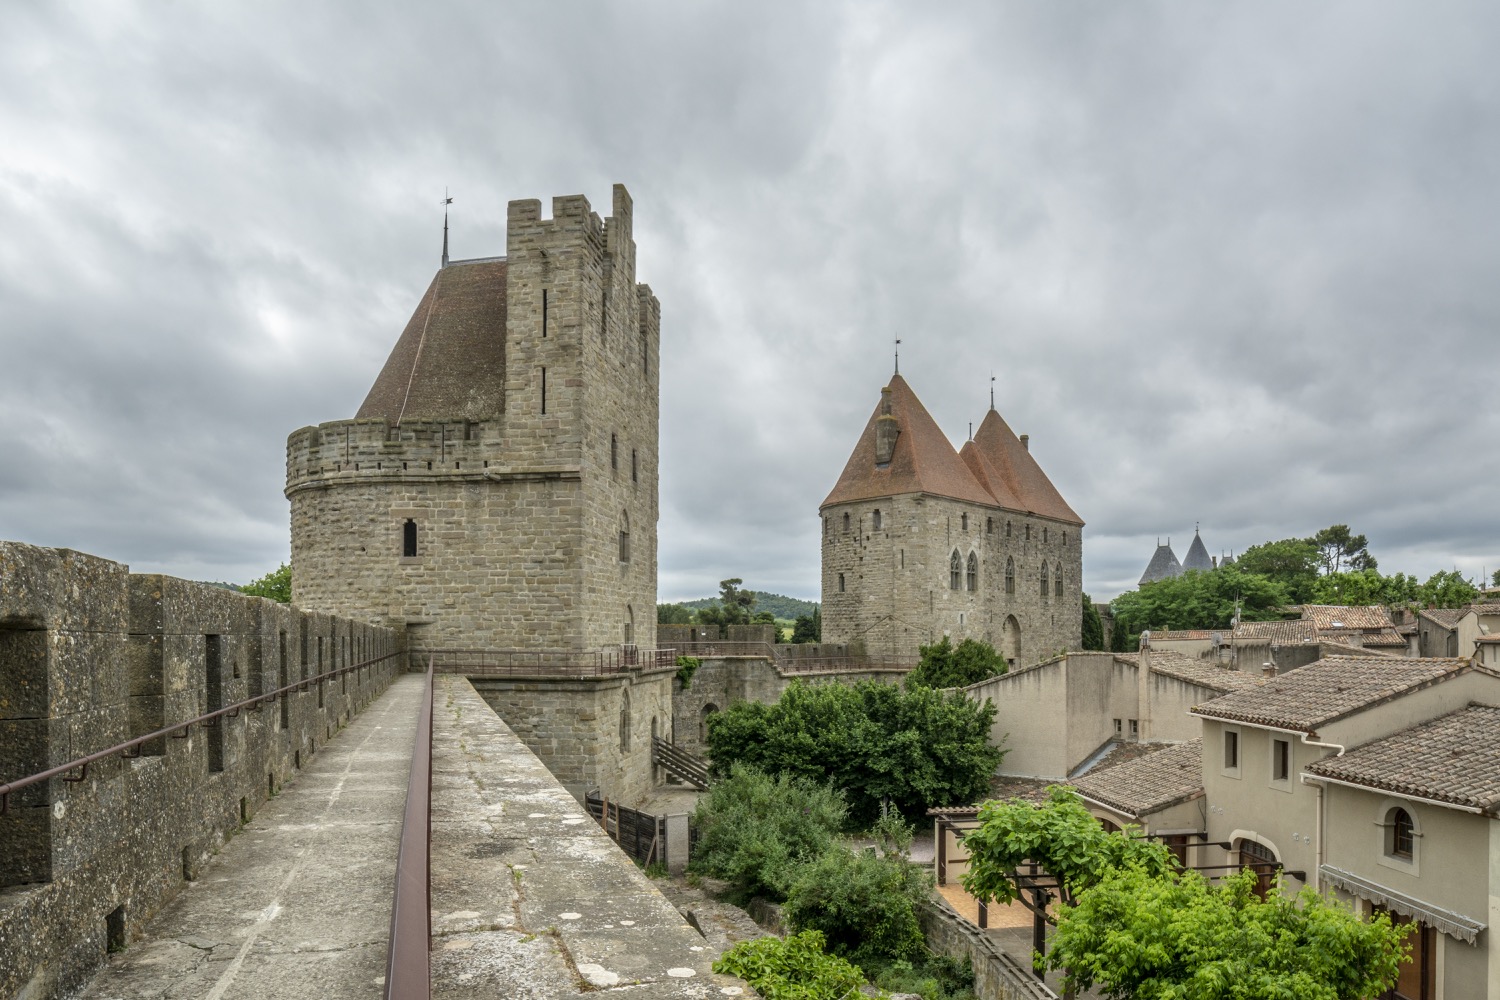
(1004, 451)
(449, 363)
(1446, 617)
(1483, 609)
(1172, 774)
(1167, 635)
(1454, 758)
(1201, 672)
(1279, 632)
(1330, 689)
(923, 461)
(1325, 616)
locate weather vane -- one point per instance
(992, 388)
(447, 200)
(898, 355)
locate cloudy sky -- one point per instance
(1230, 263)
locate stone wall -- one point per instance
(536, 530)
(897, 593)
(591, 732)
(91, 656)
(997, 976)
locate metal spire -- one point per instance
(898, 355)
(446, 202)
(992, 389)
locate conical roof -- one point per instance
(923, 460)
(1197, 556)
(1163, 564)
(450, 361)
(1032, 491)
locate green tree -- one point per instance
(755, 829)
(1093, 625)
(735, 605)
(1495, 578)
(1338, 547)
(277, 585)
(804, 630)
(864, 904)
(1199, 600)
(944, 665)
(673, 614)
(914, 748)
(1137, 935)
(1292, 563)
(1363, 587)
(1447, 589)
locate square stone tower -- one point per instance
(498, 487)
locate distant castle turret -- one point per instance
(1164, 564)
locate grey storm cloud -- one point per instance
(1229, 263)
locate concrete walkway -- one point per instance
(299, 903)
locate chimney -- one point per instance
(1026, 441)
(1268, 669)
(887, 429)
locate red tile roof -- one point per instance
(1326, 616)
(1172, 774)
(1000, 448)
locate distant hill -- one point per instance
(778, 604)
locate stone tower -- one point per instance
(920, 540)
(498, 487)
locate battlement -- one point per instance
(372, 449)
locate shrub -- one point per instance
(864, 905)
(794, 968)
(944, 665)
(687, 666)
(914, 748)
(754, 829)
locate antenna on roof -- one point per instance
(446, 202)
(898, 355)
(992, 388)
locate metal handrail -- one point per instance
(511, 662)
(408, 974)
(177, 730)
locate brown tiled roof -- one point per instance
(1385, 637)
(1003, 450)
(1446, 617)
(923, 461)
(1488, 638)
(1326, 616)
(1454, 758)
(1330, 689)
(1174, 773)
(1201, 673)
(1121, 752)
(990, 478)
(1194, 633)
(450, 362)
(1004, 787)
(1483, 609)
(1279, 632)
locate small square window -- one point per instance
(1135, 727)
(1119, 726)
(1281, 760)
(841, 583)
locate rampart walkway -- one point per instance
(299, 903)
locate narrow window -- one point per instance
(1028, 532)
(971, 576)
(1231, 748)
(1065, 538)
(1044, 534)
(213, 670)
(614, 454)
(1403, 836)
(846, 522)
(1281, 760)
(624, 537)
(841, 583)
(989, 526)
(625, 721)
(1007, 529)
(409, 538)
(963, 522)
(634, 477)
(1135, 727)
(1057, 584)
(1119, 729)
(645, 354)
(875, 521)
(1045, 588)
(955, 571)
(1010, 575)
(544, 312)
(544, 392)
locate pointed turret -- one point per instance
(1163, 564)
(917, 455)
(1197, 555)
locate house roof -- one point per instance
(1454, 758)
(1333, 616)
(1163, 564)
(1197, 555)
(1300, 630)
(1004, 452)
(1172, 774)
(1170, 635)
(1206, 675)
(1330, 689)
(1481, 609)
(449, 363)
(1446, 617)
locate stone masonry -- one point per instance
(91, 656)
(498, 488)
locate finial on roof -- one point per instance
(1196, 526)
(992, 389)
(898, 355)
(446, 202)
(971, 430)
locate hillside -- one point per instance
(789, 608)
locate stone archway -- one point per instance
(1010, 640)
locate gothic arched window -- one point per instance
(971, 578)
(624, 536)
(1046, 590)
(1010, 575)
(955, 571)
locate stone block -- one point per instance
(24, 658)
(25, 845)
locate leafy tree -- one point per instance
(754, 829)
(1120, 639)
(805, 630)
(1141, 936)
(1495, 579)
(1447, 589)
(864, 904)
(673, 614)
(1292, 563)
(277, 585)
(1337, 547)
(1363, 587)
(1093, 625)
(914, 748)
(1062, 836)
(793, 968)
(943, 665)
(735, 605)
(1199, 600)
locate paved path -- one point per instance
(298, 904)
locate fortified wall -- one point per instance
(92, 656)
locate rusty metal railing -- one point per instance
(132, 748)
(407, 961)
(562, 663)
